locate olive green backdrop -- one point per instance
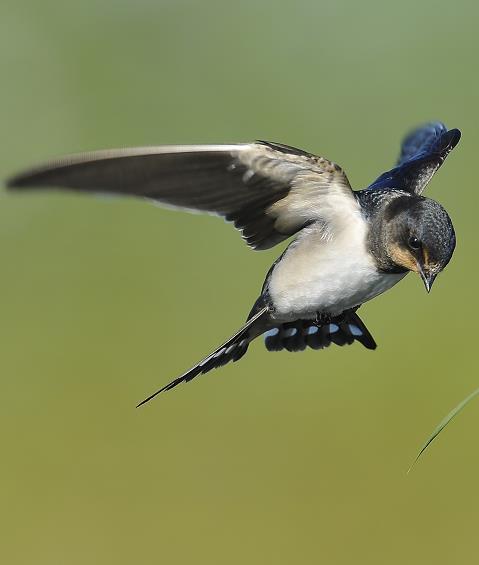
(282, 458)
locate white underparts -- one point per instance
(327, 273)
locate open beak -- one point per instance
(427, 278)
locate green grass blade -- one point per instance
(443, 423)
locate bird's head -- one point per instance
(419, 236)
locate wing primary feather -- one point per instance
(419, 140)
(422, 153)
(270, 191)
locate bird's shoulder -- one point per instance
(294, 155)
(373, 201)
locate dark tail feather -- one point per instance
(297, 335)
(231, 350)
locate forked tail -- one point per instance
(231, 350)
(300, 334)
(292, 336)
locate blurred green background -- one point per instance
(282, 458)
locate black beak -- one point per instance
(428, 279)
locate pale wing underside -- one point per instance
(270, 191)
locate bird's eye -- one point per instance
(414, 243)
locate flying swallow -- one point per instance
(348, 246)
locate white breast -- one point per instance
(327, 274)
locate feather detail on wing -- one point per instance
(268, 190)
(423, 151)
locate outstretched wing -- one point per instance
(422, 153)
(270, 191)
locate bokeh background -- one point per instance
(282, 458)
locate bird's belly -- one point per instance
(326, 282)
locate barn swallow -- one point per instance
(348, 246)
